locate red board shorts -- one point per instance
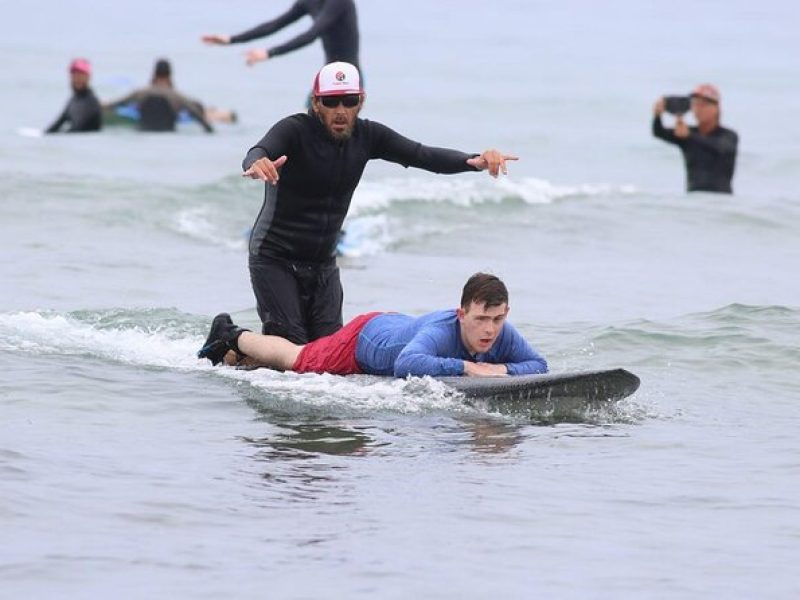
(334, 353)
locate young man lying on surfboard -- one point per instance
(474, 340)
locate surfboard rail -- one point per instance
(590, 386)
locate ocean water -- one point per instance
(129, 468)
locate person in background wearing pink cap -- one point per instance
(83, 109)
(709, 150)
(311, 164)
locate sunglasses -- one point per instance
(348, 100)
(703, 98)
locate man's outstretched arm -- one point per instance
(268, 28)
(390, 145)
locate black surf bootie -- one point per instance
(222, 337)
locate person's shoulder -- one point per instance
(301, 119)
(728, 132)
(371, 128)
(295, 122)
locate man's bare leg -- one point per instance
(269, 350)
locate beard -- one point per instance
(346, 124)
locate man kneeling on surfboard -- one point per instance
(474, 340)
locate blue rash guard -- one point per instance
(401, 345)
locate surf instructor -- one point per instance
(335, 21)
(311, 163)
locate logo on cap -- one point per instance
(340, 76)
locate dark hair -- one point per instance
(484, 289)
(162, 69)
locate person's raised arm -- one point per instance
(389, 145)
(659, 131)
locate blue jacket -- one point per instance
(401, 345)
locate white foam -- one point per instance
(30, 132)
(379, 194)
(53, 334)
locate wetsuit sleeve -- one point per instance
(277, 141)
(390, 145)
(270, 27)
(426, 354)
(723, 145)
(194, 108)
(518, 355)
(132, 97)
(331, 11)
(62, 118)
(662, 133)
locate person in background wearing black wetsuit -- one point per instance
(335, 21)
(83, 109)
(311, 164)
(160, 103)
(709, 150)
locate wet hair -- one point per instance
(162, 68)
(484, 289)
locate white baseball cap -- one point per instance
(337, 79)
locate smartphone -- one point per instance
(677, 105)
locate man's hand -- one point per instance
(254, 56)
(216, 40)
(658, 107)
(473, 369)
(493, 160)
(681, 128)
(266, 169)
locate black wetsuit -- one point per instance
(293, 243)
(159, 106)
(710, 159)
(335, 22)
(82, 113)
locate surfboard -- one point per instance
(563, 391)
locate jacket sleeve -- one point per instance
(423, 355)
(277, 141)
(390, 145)
(270, 27)
(518, 355)
(331, 11)
(662, 133)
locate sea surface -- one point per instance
(130, 469)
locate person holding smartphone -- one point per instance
(311, 164)
(709, 149)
